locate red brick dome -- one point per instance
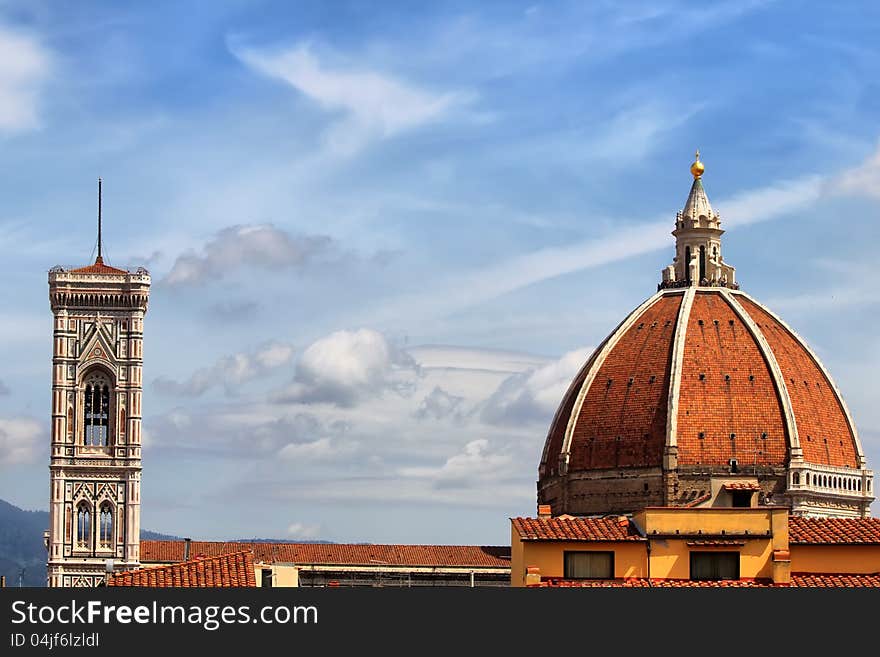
(701, 389)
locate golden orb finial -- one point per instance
(697, 167)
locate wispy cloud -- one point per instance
(25, 65)
(262, 246)
(863, 180)
(230, 371)
(373, 105)
(626, 241)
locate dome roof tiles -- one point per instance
(736, 392)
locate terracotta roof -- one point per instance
(817, 531)
(622, 422)
(641, 582)
(230, 570)
(575, 529)
(742, 485)
(99, 268)
(337, 553)
(835, 580)
(797, 580)
(697, 501)
(729, 403)
(825, 433)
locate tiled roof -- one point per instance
(729, 400)
(697, 501)
(818, 531)
(641, 582)
(835, 580)
(825, 433)
(99, 268)
(742, 485)
(622, 422)
(575, 529)
(337, 553)
(727, 389)
(230, 570)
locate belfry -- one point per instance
(95, 457)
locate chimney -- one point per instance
(187, 544)
(544, 511)
(533, 576)
(2, 581)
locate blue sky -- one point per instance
(384, 237)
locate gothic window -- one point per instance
(96, 409)
(83, 524)
(105, 533)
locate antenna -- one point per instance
(99, 259)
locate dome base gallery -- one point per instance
(702, 396)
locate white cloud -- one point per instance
(19, 440)
(303, 531)
(863, 180)
(473, 465)
(346, 367)
(318, 449)
(374, 105)
(230, 371)
(533, 396)
(24, 66)
(260, 246)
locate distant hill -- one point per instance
(21, 544)
(262, 540)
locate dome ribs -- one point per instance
(727, 400)
(623, 424)
(825, 433)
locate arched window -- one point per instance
(83, 524)
(687, 264)
(96, 409)
(807, 478)
(105, 532)
(796, 479)
(702, 262)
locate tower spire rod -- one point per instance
(99, 259)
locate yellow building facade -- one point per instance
(680, 546)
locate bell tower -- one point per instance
(95, 457)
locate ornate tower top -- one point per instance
(697, 234)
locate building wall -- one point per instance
(670, 559)
(282, 575)
(630, 558)
(835, 558)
